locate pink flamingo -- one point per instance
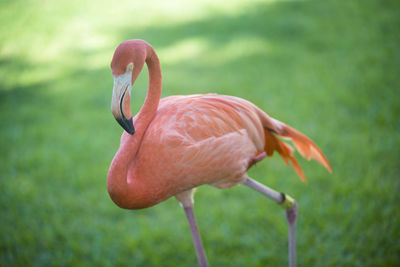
(181, 142)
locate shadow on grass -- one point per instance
(262, 20)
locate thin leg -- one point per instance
(198, 244)
(265, 190)
(291, 216)
(288, 204)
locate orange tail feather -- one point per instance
(307, 148)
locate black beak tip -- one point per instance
(127, 125)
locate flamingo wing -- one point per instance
(199, 139)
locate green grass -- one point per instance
(328, 68)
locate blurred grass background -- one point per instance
(328, 68)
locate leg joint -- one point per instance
(287, 202)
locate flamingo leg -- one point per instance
(198, 244)
(289, 204)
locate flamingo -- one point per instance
(175, 144)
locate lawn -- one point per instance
(328, 68)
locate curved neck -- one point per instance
(149, 108)
(119, 188)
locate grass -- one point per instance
(328, 68)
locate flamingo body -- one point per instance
(195, 140)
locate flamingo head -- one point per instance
(126, 65)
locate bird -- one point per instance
(175, 144)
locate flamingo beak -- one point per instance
(121, 101)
